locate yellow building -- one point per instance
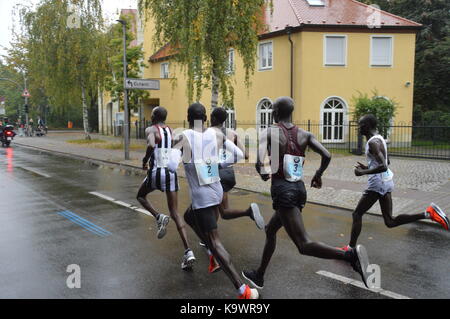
(320, 52)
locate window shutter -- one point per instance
(381, 51)
(335, 54)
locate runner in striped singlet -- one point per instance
(159, 177)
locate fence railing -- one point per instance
(418, 141)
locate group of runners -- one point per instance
(208, 155)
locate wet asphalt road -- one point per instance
(124, 259)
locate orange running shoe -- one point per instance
(437, 215)
(213, 265)
(249, 293)
(345, 248)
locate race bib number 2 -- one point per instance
(293, 168)
(208, 172)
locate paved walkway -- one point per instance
(418, 182)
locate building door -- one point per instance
(333, 120)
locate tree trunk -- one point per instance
(85, 112)
(215, 90)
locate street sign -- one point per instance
(142, 84)
(26, 93)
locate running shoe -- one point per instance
(162, 223)
(345, 248)
(360, 263)
(249, 293)
(213, 265)
(188, 260)
(437, 215)
(257, 217)
(252, 278)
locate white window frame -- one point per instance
(261, 68)
(325, 36)
(371, 64)
(259, 111)
(163, 75)
(231, 61)
(231, 119)
(333, 112)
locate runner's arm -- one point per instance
(317, 147)
(151, 143)
(236, 151)
(375, 149)
(241, 146)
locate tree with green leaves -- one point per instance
(135, 56)
(67, 57)
(384, 109)
(201, 33)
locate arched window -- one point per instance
(265, 110)
(333, 120)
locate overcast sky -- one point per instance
(6, 21)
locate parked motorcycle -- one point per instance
(7, 135)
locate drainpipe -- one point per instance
(289, 33)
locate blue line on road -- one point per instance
(88, 223)
(85, 224)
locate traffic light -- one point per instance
(26, 108)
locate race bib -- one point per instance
(293, 168)
(387, 176)
(207, 172)
(226, 156)
(162, 157)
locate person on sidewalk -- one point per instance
(381, 185)
(200, 148)
(228, 180)
(284, 144)
(159, 137)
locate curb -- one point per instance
(139, 172)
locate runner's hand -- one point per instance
(359, 171)
(265, 177)
(145, 166)
(316, 182)
(361, 165)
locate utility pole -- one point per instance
(126, 124)
(26, 102)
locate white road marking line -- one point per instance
(120, 203)
(359, 284)
(102, 196)
(36, 172)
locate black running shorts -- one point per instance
(206, 218)
(227, 179)
(288, 195)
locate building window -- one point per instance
(266, 56)
(333, 120)
(264, 113)
(230, 67)
(381, 51)
(164, 70)
(335, 50)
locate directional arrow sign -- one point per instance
(141, 84)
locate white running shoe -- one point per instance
(188, 260)
(162, 223)
(257, 217)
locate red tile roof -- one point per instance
(296, 13)
(334, 14)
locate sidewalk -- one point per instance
(418, 182)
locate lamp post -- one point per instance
(126, 123)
